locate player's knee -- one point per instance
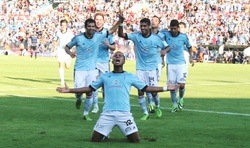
(134, 138)
(154, 94)
(182, 86)
(140, 93)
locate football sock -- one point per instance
(61, 74)
(95, 99)
(173, 97)
(157, 100)
(142, 102)
(87, 104)
(181, 93)
(150, 98)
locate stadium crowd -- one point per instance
(216, 22)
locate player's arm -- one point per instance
(121, 33)
(66, 89)
(169, 87)
(163, 61)
(114, 28)
(68, 51)
(190, 50)
(110, 46)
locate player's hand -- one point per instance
(163, 64)
(171, 87)
(106, 42)
(121, 18)
(72, 54)
(63, 89)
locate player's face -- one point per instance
(118, 59)
(182, 29)
(90, 28)
(145, 28)
(99, 21)
(155, 22)
(64, 26)
(174, 30)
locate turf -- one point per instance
(33, 114)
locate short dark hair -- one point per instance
(174, 23)
(63, 21)
(145, 20)
(88, 21)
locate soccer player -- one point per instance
(116, 109)
(147, 47)
(85, 72)
(34, 42)
(103, 54)
(176, 69)
(63, 36)
(155, 100)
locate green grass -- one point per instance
(33, 114)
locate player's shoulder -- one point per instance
(78, 35)
(160, 35)
(183, 35)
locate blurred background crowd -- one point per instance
(210, 22)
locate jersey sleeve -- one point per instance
(72, 43)
(97, 83)
(138, 83)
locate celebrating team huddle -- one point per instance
(91, 72)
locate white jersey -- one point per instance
(63, 38)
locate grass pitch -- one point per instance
(33, 114)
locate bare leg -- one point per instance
(134, 137)
(97, 137)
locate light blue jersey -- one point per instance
(86, 50)
(147, 50)
(103, 52)
(177, 45)
(117, 88)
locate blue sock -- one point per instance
(87, 104)
(157, 100)
(150, 98)
(173, 97)
(95, 99)
(142, 102)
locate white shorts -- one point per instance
(108, 120)
(62, 56)
(149, 77)
(102, 68)
(177, 73)
(84, 78)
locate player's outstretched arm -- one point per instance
(114, 28)
(169, 87)
(66, 89)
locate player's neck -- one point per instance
(118, 69)
(64, 30)
(154, 30)
(87, 35)
(99, 29)
(147, 34)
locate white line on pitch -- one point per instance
(190, 110)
